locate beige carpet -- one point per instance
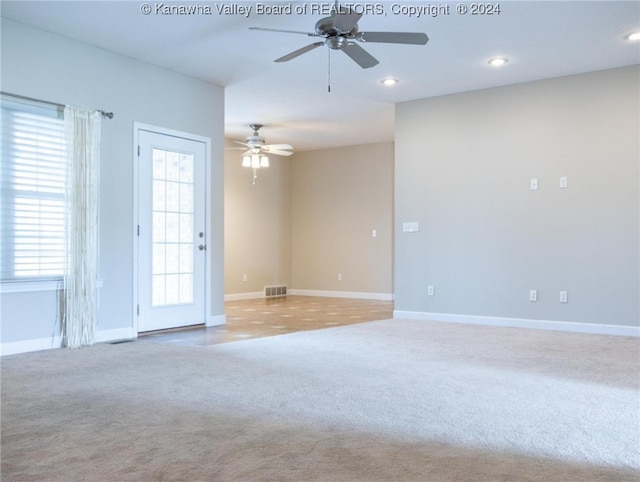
(381, 401)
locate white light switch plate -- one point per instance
(412, 227)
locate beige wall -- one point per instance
(339, 196)
(463, 168)
(257, 224)
(308, 218)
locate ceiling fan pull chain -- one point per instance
(329, 71)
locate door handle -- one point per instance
(202, 247)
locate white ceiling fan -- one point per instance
(256, 145)
(256, 156)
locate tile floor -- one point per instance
(276, 316)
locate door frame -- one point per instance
(137, 127)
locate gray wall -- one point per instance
(46, 66)
(463, 167)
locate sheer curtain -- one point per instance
(82, 131)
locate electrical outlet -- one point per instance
(564, 297)
(339, 276)
(533, 295)
(431, 290)
(244, 277)
(533, 184)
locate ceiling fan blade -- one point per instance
(298, 52)
(263, 29)
(240, 142)
(360, 55)
(345, 20)
(269, 147)
(278, 152)
(412, 38)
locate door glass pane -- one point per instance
(186, 229)
(172, 263)
(186, 198)
(159, 164)
(159, 258)
(186, 168)
(186, 259)
(173, 199)
(173, 166)
(173, 228)
(159, 195)
(158, 227)
(173, 236)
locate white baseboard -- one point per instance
(216, 320)
(244, 296)
(26, 346)
(569, 326)
(343, 294)
(321, 293)
(103, 336)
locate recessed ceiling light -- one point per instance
(389, 82)
(498, 61)
(634, 37)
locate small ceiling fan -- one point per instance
(256, 144)
(255, 156)
(340, 32)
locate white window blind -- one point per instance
(32, 184)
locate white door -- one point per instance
(171, 231)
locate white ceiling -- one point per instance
(542, 39)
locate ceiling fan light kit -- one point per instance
(255, 161)
(256, 156)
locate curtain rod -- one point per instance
(108, 115)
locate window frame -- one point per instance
(10, 280)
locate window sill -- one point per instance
(33, 286)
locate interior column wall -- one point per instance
(257, 225)
(340, 197)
